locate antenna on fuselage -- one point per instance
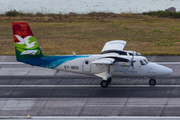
(74, 53)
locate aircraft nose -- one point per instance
(166, 70)
(169, 71)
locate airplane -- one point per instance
(113, 60)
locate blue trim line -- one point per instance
(50, 61)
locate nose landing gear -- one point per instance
(105, 83)
(152, 82)
(109, 80)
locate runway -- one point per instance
(27, 90)
(66, 96)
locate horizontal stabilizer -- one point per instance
(104, 61)
(29, 52)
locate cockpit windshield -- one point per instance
(143, 62)
(146, 61)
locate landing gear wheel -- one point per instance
(152, 82)
(104, 83)
(109, 80)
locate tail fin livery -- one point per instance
(25, 43)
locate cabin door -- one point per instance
(86, 67)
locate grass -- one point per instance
(59, 34)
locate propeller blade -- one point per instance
(137, 50)
(132, 61)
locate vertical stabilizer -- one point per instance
(25, 43)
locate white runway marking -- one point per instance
(83, 86)
(92, 117)
(108, 118)
(12, 63)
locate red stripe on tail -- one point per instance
(22, 29)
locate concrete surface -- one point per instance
(88, 118)
(133, 97)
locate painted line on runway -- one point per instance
(94, 117)
(83, 86)
(106, 117)
(11, 63)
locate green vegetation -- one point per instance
(163, 14)
(87, 33)
(14, 13)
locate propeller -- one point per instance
(137, 50)
(132, 61)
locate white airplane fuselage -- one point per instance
(83, 65)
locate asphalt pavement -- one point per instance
(29, 90)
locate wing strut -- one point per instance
(108, 69)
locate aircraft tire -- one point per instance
(152, 82)
(109, 80)
(104, 83)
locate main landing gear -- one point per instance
(152, 81)
(105, 83)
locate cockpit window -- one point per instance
(142, 63)
(131, 54)
(145, 61)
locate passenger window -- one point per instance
(86, 62)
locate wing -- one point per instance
(110, 60)
(114, 45)
(104, 61)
